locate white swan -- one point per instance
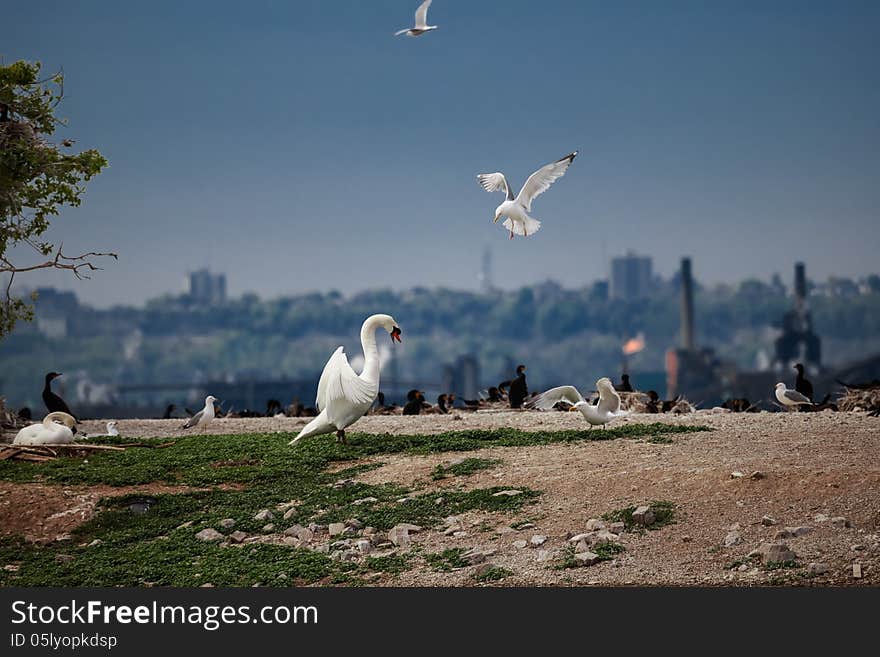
(343, 396)
(606, 410)
(204, 416)
(421, 25)
(48, 432)
(517, 208)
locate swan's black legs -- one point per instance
(340, 437)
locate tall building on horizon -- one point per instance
(631, 277)
(205, 288)
(485, 276)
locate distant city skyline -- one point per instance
(290, 146)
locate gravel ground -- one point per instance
(813, 465)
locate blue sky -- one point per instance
(299, 146)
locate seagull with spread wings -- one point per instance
(517, 208)
(421, 25)
(602, 413)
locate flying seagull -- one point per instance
(421, 25)
(517, 209)
(606, 410)
(790, 398)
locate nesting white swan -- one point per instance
(343, 396)
(55, 429)
(604, 412)
(517, 208)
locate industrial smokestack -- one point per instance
(800, 284)
(687, 306)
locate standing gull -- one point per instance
(517, 209)
(602, 413)
(421, 25)
(203, 417)
(790, 398)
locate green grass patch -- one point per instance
(664, 514)
(393, 564)
(235, 476)
(605, 552)
(493, 574)
(463, 469)
(448, 560)
(781, 565)
(660, 440)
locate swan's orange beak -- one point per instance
(573, 408)
(395, 334)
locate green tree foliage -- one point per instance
(37, 179)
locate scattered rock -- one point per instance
(269, 528)
(736, 474)
(519, 545)
(509, 493)
(354, 523)
(586, 558)
(475, 555)
(63, 558)
(594, 524)
(439, 500)
(94, 543)
(858, 548)
(798, 531)
(11, 568)
(586, 536)
(289, 514)
(685, 539)
(537, 540)
(237, 536)
(227, 523)
(816, 568)
(782, 534)
(732, 539)
(364, 546)
(840, 522)
(525, 525)
(774, 553)
(544, 555)
(757, 474)
(399, 536)
(412, 529)
(336, 528)
(768, 521)
(188, 523)
(643, 516)
(365, 500)
(291, 541)
(264, 514)
(209, 534)
(616, 527)
(343, 483)
(857, 571)
(820, 517)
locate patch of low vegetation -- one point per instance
(664, 514)
(660, 440)
(446, 561)
(463, 468)
(393, 564)
(781, 565)
(493, 574)
(233, 477)
(605, 552)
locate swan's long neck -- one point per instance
(371, 353)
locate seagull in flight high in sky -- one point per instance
(517, 208)
(421, 25)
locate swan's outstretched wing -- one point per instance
(422, 15)
(609, 400)
(540, 181)
(547, 400)
(495, 182)
(338, 381)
